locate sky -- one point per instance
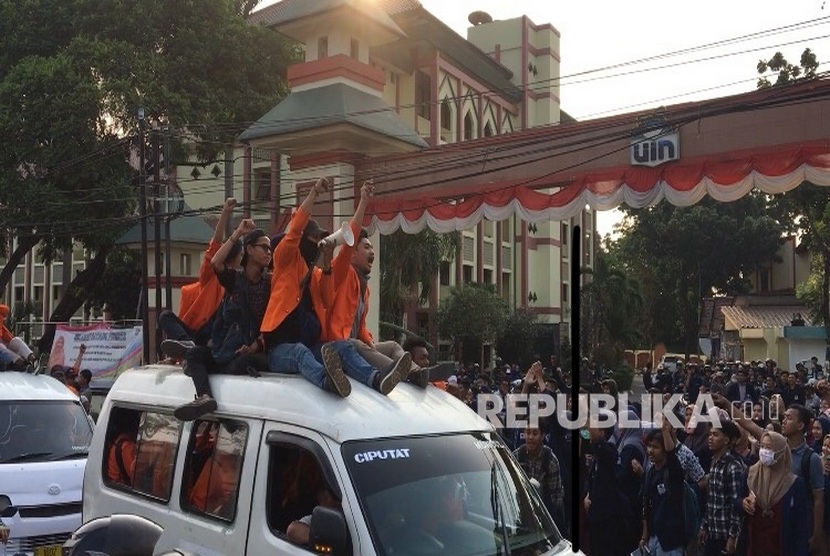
(596, 34)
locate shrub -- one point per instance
(624, 376)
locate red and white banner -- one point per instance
(725, 178)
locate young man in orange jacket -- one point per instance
(297, 311)
(200, 300)
(349, 304)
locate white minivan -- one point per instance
(44, 438)
(416, 472)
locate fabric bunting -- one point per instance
(683, 184)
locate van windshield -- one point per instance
(43, 431)
(454, 495)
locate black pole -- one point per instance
(142, 211)
(168, 284)
(157, 231)
(576, 379)
(168, 279)
(229, 186)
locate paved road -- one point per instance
(637, 388)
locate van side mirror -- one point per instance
(329, 533)
(6, 508)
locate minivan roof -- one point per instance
(15, 385)
(364, 414)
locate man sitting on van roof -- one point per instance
(292, 327)
(200, 300)
(350, 304)
(236, 331)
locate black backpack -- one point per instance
(806, 459)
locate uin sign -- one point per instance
(654, 143)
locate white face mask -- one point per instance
(766, 456)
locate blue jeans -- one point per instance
(299, 359)
(657, 550)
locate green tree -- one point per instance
(471, 316)
(516, 342)
(72, 75)
(119, 288)
(409, 264)
(682, 254)
(805, 210)
(611, 304)
(786, 72)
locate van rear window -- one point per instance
(141, 451)
(213, 468)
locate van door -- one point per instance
(296, 473)
(216, 481)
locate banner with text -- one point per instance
(109, 351)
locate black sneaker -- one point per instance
(195, 409)
(400, 369)
(176, 348)
(336, 380)
(419, 377)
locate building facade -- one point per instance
(388, 78)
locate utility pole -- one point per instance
(228, 185)
(142, 212)
(168, 209)
(157, 229)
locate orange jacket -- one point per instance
(217, 485)
(343, 306)
(200, 300)
(126, 445)
(289, 270)
(5, 334)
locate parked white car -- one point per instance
(44, 439)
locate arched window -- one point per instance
(468, 126)
(488, 130)
(446, 115)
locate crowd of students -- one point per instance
(752, 485)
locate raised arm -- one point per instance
(76, 368)
(247, 225)
(227, 210)
(322, 185)
(366, 192)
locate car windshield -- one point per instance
(459, 495)
(43, 431)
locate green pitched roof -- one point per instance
(329, 105)
(187, 229)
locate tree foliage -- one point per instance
(119, 288)
(73, 74)
(516, 342)
(611, 303)
(786, 72)
(682, 254)
(472, 315)
(408, 266)
(805, 210)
